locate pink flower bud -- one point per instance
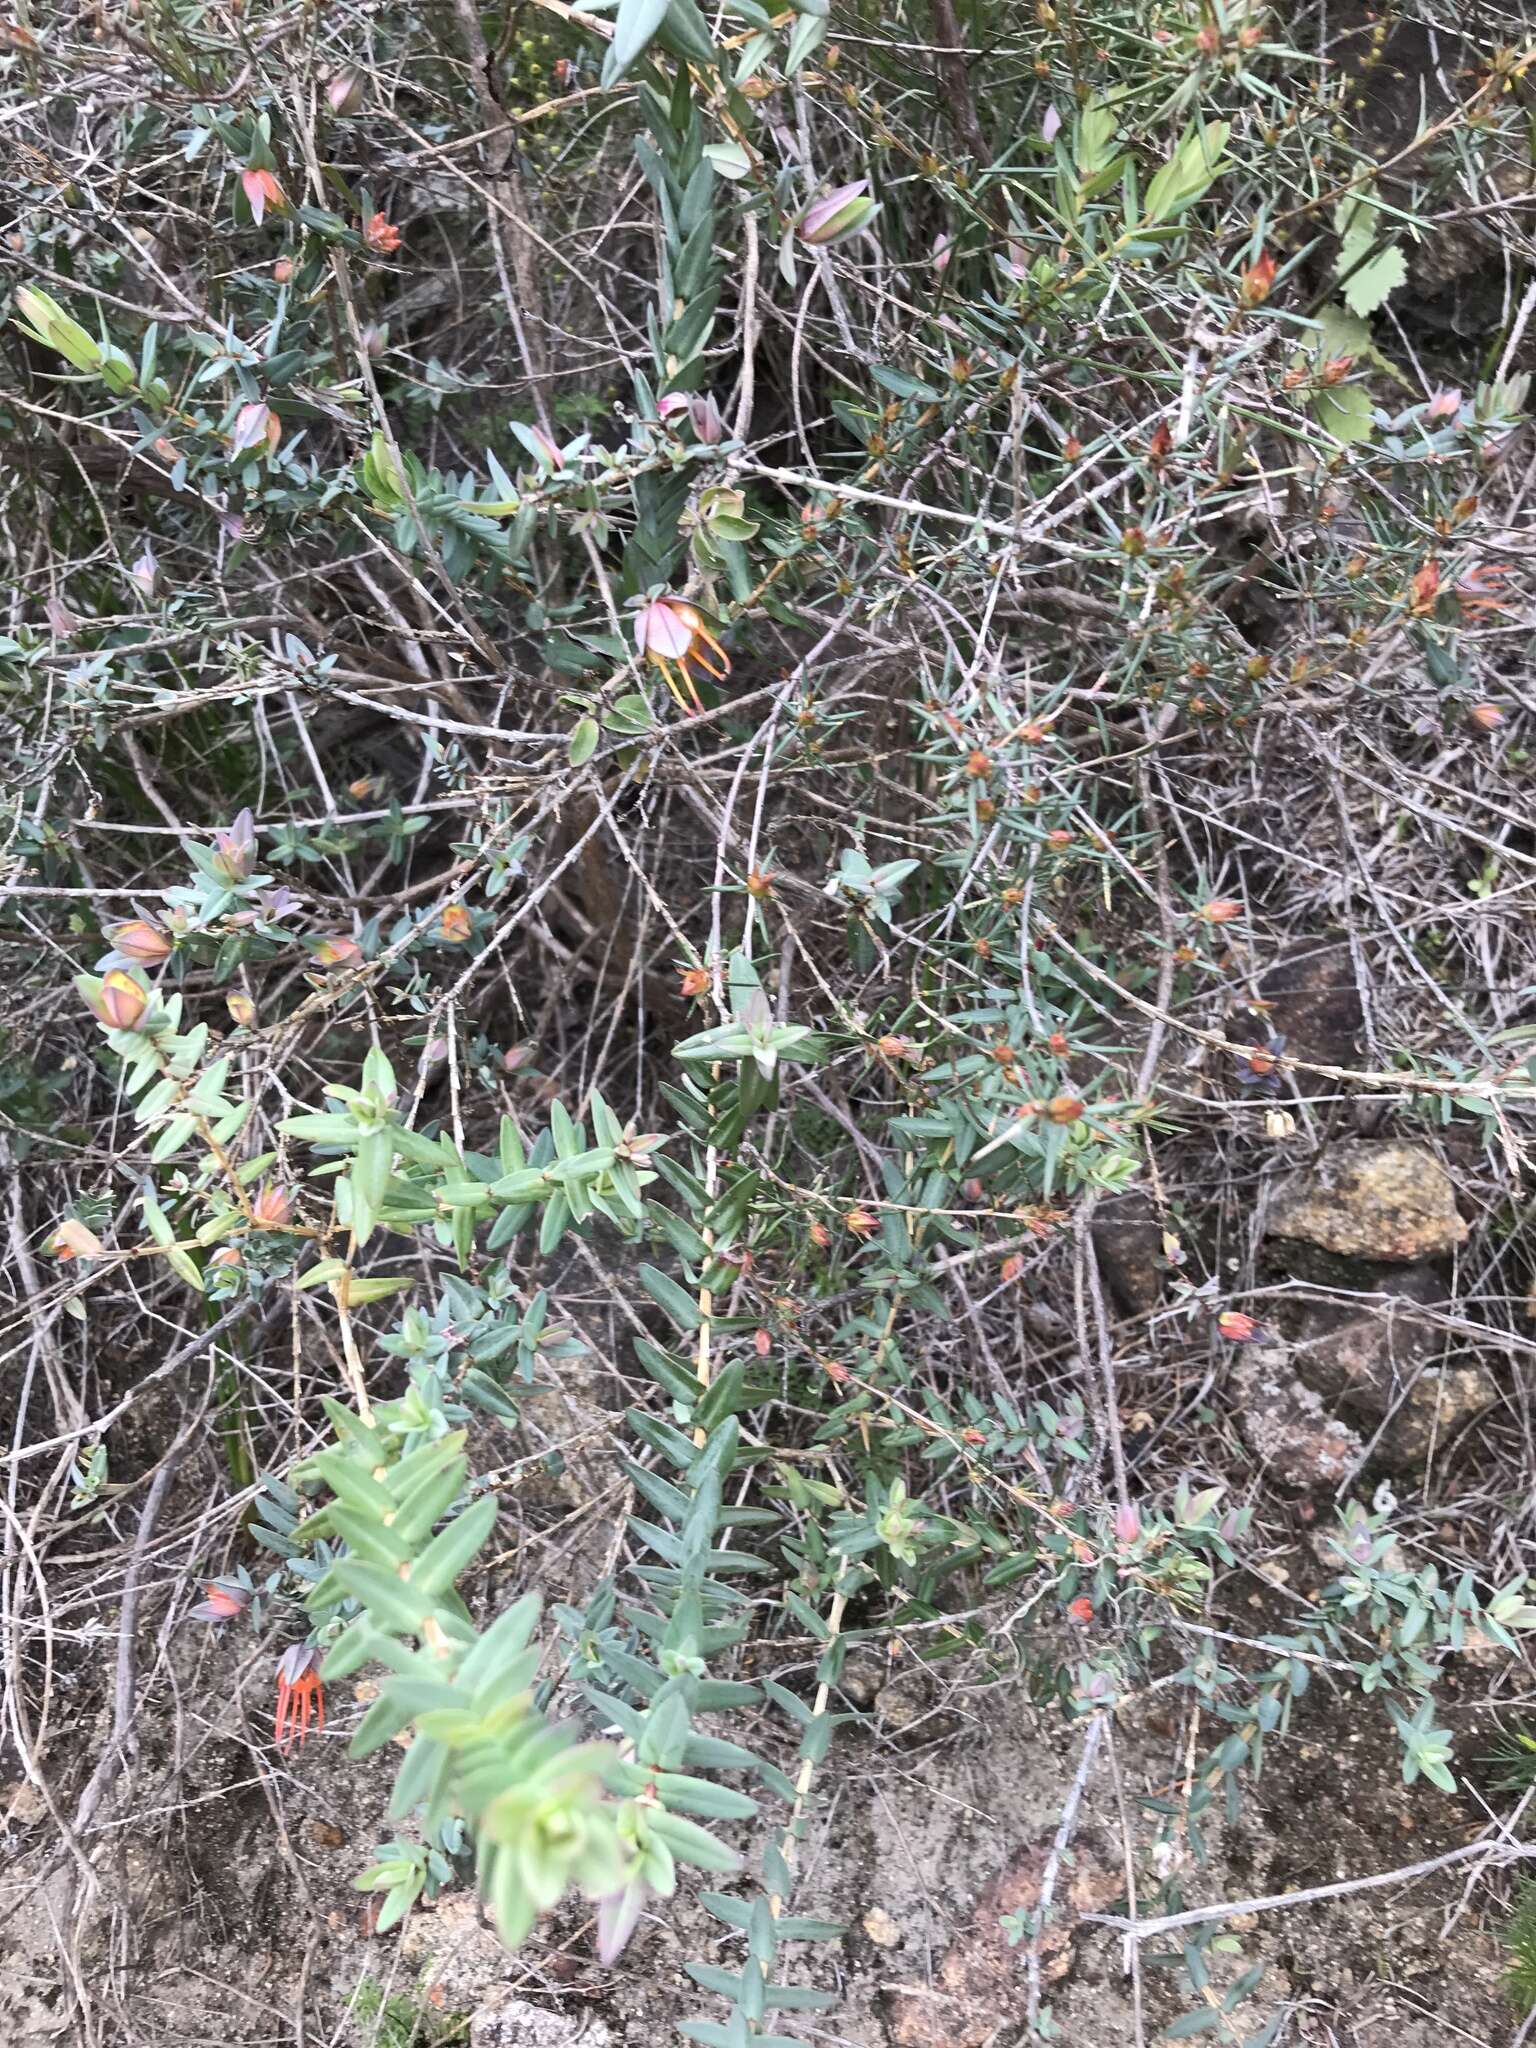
(254, 424)
(1127, 1524)
(838, 214)
(345, 91)
(139, 940)
(263, 194)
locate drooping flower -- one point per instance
(298, 1691)
(344, 90)
(140, 940)
(1486, 717)
(694, 982)
(240, 1007)
(381, 236)
(336, 951)
(62, 623)
(860, 1223)
(1444, 404)
(1050, 125)
(144, 573)
(72, 1240)
(836, 215)
(263, 193)
(1236, 1327)
(701, 412)
(223, 1600)
(670, 633)
(255, 423)
(1220, 910)
(1127, 1524)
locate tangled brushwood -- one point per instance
(809, 727)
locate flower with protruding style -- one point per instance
(836, 215)
(670, 632)
(298, 1691)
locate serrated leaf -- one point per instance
(1372, 284)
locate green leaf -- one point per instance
(1370, 286)
(1205, 2021)
(451, 1549)
(584, 738)
(633, 32)
(670, 1298)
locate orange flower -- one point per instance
(1483, 591)
(1221, 910)
(695, 982)
(1160, 447)
(1236, 1327)
(1255, 284)
(1424, 588)
(121, 1001)
(1081, 1610)
(455, 924)
(1011, 1268)
(240, 1007)
(1336, 369)
(819, 1234)
(223, 1600)
(73, 1241)
(1064, 1109)
(272, 1206)
(671, 633)
(1487, 716)
(139, 940)
(262, 191)
(860, 1223)
(298, 1689)
(337, 952)
(1057, 1043)
(381, 236)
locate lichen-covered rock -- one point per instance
(1371, 1200)
(1287, 1425)
(1438, 1403)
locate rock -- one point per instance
(1438, 1403)
(979, 1983)
(1286, 1424)
(462, 1963)
(1128, 1243)
(1365, 1354)
(1374, 1199)
(881, 1928)
(518, 2024)
(1314, 1004)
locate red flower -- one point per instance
(1221, 911)
(1424, 589)
(223, 1600)
(1236, 1327)
(298, 1690)
(671, 633)
(695, 982)
(860, 1223)
(1254, 286)
(1080, 1609)
(381, 236)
